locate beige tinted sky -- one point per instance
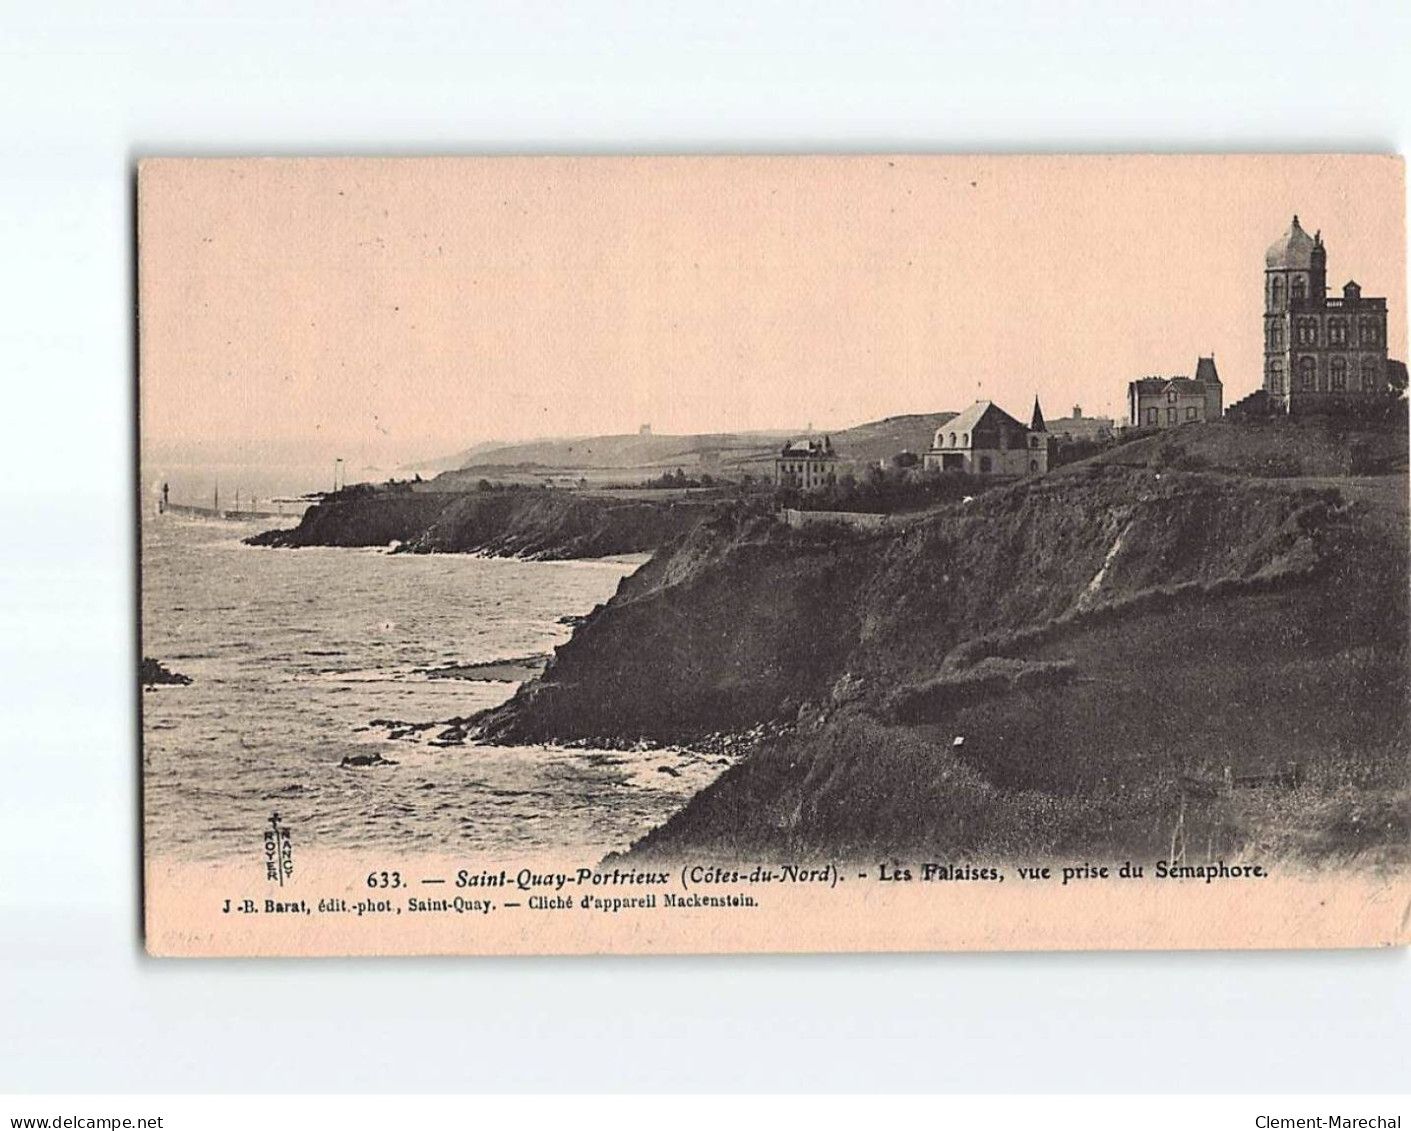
(418, 306)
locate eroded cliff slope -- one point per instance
(1094, 639)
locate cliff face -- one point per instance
(746, 621)
(1096, 641)
(359, 519)
(724, 629)
(528, 523)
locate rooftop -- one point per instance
(969, 420)
(1292, 250)
(809, 449)
(1205, 370)
(1188, 385)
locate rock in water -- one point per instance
(154, 672)
(356, 761)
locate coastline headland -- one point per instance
(1089, 662)
(1199, 636)
(515, 522)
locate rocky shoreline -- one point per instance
(154, 674)
(516, 670)
(981, 680)
(1035, 671)
(542, 524)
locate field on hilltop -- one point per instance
(1276, 448)
(632, 450)
(619, 458)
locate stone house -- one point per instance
(806, 464)
(1168, 402)
(986, 440)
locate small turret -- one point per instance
(1318, 269)
(1038, 441)
(1209, 376)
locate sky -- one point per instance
(408, 308)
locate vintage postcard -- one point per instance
(690, 555)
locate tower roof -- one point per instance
(1037, 423)
(1205, 370)
(1291, 251)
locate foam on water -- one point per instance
(293, 654)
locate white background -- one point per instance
(84, 90)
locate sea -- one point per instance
(300, 659)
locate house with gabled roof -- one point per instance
(986, 440)
(1168, 402)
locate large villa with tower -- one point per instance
(1320, 353)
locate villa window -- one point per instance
(1337, 332)
(1307, 370)
(1300, 287)
(952, 439)
(1276, 292)
(1170, 416)
(965, 439)
(1190, 413)
(1368, 331)
(1369, 374)
(1339, 372)
(1171, 398)
(1151, 415)
(1307, 332)
(1276, 376)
